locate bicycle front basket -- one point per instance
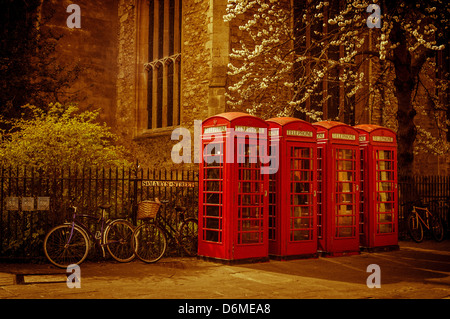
(147, 209)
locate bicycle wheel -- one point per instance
(437, 229)
(189, 236)
(415, 228)
(119, 240)
(150, 242)
(65, 245)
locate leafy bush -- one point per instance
(59, 137)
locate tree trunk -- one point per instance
(404, 83)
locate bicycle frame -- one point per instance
(427, 213)
(102, 221)
(171, 231)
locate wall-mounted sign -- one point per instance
(168, 183)
(27, 204)
(12, 203)
(43, 203)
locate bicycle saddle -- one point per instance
(421, 204)
(105, 206)
(180, 209)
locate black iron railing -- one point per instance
(32, 202)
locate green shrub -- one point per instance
(59, 137)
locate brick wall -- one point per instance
(94, 48)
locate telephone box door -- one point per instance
(293, 190)
(345, 224)
(211, 199)
(232, 193)
(338, 178)
(301, 222)
(379, 207)
(385, 195)
(250, 237)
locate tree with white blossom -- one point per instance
(290, 55)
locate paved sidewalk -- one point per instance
(414, 271)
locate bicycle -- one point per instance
(416, 222)
(69, 243)
(150, 238)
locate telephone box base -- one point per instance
(235, 261)
(293, 257)
(337, 254)
(380, 248)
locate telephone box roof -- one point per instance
(329, 124)
(371, 127)
(285, 120)
(230, 116)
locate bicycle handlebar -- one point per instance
(413, 202)
(165, 201)
(419, 203)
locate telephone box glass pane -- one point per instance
(213, 186)
(213, 154)
(213, 173)
(213, 198)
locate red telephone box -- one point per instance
(233, 211)
(379, 204)
(292, 189)
(338, 175)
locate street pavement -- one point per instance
(414, 271)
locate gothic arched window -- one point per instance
(159, 60)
